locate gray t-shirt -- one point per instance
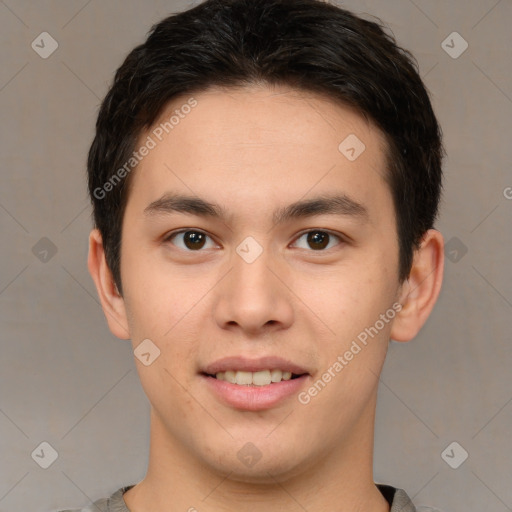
(397, 499)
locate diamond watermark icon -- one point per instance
(454, 455)
(44, 250)
(454, 45)
(45, 455)
(455, 249)
(146, 352)
(249, 250)
(351, 147)
(249, 455)
(44, 45)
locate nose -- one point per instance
(255, 296)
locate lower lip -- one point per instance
(254, 398)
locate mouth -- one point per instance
(254, 384)
(260, 394)
(259, 378)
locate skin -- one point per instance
(252, 150)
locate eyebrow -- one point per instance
(327, 204)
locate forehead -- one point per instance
(250, 146)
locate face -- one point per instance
(294, 292)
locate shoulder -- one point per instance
(114, 503)
(98, 506)
(402, 502)
(397, 498)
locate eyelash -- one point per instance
(300, 235)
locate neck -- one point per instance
(340, 479)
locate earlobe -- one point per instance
(420, 291)
(111, 300)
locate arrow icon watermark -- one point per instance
(146, 352)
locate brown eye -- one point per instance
(192, 240)
(318, 239)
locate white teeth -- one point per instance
(276, 375)
(230, 376)
(261, 378)
(244, 378)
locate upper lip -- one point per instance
(239, 363)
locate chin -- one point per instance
(261, 469)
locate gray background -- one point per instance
(67, 381)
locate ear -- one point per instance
(111, 300)
(419, 292)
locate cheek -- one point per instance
(167, 378)
(350, 304)
(155, 300)
(346, 299)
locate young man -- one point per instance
(265, 178)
